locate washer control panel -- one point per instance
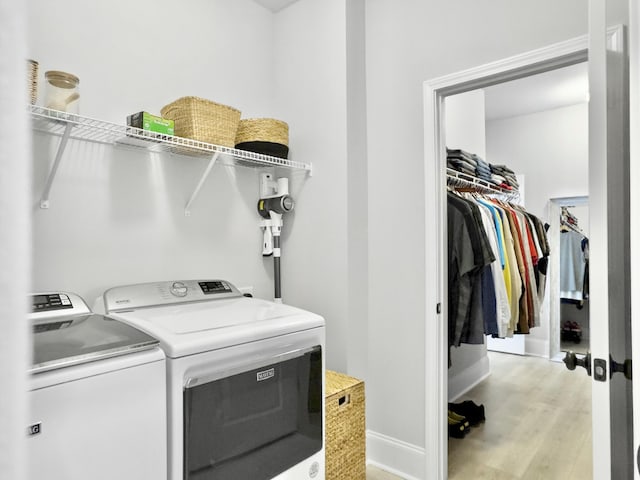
(215, 287)
(50, 301)
(129, 297)
(46, 305)
(179, 289)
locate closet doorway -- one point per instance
(536, 127)
(604, 166)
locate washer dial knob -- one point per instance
(179, 289)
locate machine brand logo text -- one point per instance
(265, 374)
(34, 429)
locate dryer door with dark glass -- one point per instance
(257, 423)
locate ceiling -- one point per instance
(558, 88)
(275, 5)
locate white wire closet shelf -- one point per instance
(92, 130)
(458, 179)
(77, 127)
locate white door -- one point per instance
(610, 272)
(634, 167)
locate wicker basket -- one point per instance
(345, 427)
(203, 120)
(267, 136)
(32, 81)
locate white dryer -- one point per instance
(97, 403)
(245, 379)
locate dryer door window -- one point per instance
(256, 424)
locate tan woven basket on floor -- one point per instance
(203, 120)
(345, 446)
(262, 130)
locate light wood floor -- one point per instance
(538, 424)
(374, 473)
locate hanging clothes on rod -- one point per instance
(574, 259)
(495, 284)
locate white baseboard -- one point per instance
(537, 347)
(515, 344)
(465, 380)
(395, 456)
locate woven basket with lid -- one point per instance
(263, 135)
(203, 120)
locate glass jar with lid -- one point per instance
(61, 91)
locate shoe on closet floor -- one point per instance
(458, 418)
(456, 429)
(468, 409)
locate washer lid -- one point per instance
(189, 328)
(75, 339)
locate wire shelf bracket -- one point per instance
(207, 171)
(44, 199)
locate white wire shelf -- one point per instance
(77, 127)
(458, 179)
(88, 129)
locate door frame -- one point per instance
(556, 56)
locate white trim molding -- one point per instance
(465, 380)
(395, 456)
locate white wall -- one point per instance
(551, 150)
(117, 216)
(357, 193)
(144, 54)
(465, 122)
(310, 90)
(405, 47)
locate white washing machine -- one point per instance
(245, 379)
(97, 396)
